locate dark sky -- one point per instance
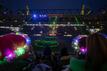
(55, 4)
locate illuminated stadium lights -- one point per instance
(94, 30)
(39, 16)
(11, 28)
(23, 20)
(68, 35)
(52, 34)
(89, 22)
(75, 28)
(34, 16)
(37, 35)
(101, 27)
(65, 32)
(68, 23)
(32, 28)
(42, 16)
(41, 32)
(4, 12)
(57, 25)
(15, 21)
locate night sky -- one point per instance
(54, 4)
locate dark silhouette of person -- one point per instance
(95, 57)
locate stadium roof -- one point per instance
(54, 4)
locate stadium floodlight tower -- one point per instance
(85, 10)
(27, 7)
(82, 8)
(27, 12)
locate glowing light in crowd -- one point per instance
(76, 47)
(18, 46)
(75, 43)
(83, 49)
(9, 54)
(18, 33)
(28, 41)
(20, 51)
(25, 46)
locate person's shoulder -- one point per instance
(104, 67)
(45, 65)
(77, 64)
(74, 59)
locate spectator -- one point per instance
(96, 55)
(64, 58)
(47, 55)
(41, 66)
(47, 51)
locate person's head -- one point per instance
(40, 59)
(96, 51)
(64, 51)
(47, 51)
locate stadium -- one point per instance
(54, 25)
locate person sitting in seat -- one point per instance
(95, 58)
(41, 66)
